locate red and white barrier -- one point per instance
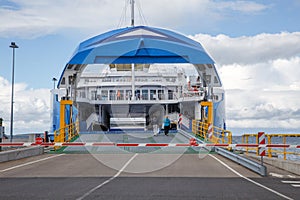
(180, 120)
(210, 131)
(262, 141)
(111, 144)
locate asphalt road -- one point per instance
(139, 176)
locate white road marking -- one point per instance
(291, 182)
(276, 175)
(298, 186)
(248, 179)
(108, 180)
(29, 163)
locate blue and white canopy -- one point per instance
(139, 44)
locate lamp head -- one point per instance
(13, 45)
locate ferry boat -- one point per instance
(131, 77)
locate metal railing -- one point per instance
(219, 136)
(123, 95)
(271, 151)
(67, 133)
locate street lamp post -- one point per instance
(13, 46)
(54, 80)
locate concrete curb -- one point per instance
(20, 153)
(287, 165)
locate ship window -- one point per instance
(63, 81)
(170, 94)
(216, 80)
(208, 78)
(127, 67)
(93, 95)
(128, 95)
(82, 94)
(152, 94)
(70, 66)
(120, 95)
(112, 94)
(104, 94)
(70, 80)
(145, 94)
(137, 94)
(161, 95)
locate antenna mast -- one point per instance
(132, 12)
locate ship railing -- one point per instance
(171, 96)
(272, 152)
(219, 135)
(126, 80)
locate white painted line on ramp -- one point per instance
(292, 182)
(298, 186)
(276, 175)
(250, 180)
(108, 180)
(29, 163)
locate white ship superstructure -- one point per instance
(140, 73)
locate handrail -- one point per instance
(66, 133)
(219, 136)
(270, 150)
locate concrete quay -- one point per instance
(20, 153)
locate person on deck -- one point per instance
(167, 124)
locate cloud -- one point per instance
(241, 6)
(251, 50)
(261, 78)
(31, 108)
(31, 18)
(258, 109)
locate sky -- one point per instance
(255, 44)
